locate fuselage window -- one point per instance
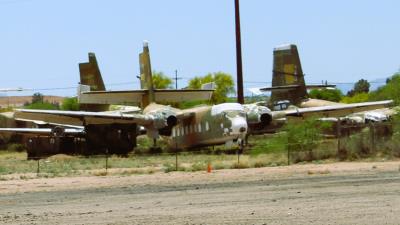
(173, 132)
(199, 127)
(207, 126)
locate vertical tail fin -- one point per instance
(90, 75)
(146, 79)
(287, 71)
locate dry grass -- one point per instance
(13, 165)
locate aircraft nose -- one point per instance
(239, 125)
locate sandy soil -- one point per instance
(338, 193)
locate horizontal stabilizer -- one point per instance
(280, 88)
(320, 86)
(295, 86)
(134, 97)
(208, 86)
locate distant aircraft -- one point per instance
(288, 85)
(11, 89)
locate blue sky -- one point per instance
(43, 41)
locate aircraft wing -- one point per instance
(319, 86)
(280, 88)
(336, 110)
(294, 86)
(41, 131)
(134, 97)
(81, 118)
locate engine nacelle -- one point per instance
(265, 119)
(164, 120)
(58, 131)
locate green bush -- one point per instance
(334, 95)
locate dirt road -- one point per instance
(340, 193)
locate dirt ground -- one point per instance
(337, 193)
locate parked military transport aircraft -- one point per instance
(198, 126)
(204, 125)
(288, 85)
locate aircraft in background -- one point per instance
(11, 89)
(260, 119)
(289, 88)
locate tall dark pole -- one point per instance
(240, 97)
(176, 79)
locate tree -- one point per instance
(42, 105)
(359, 97)
(361, 86)
(37, 98)
(223, 82)
(334, 95)
(39, 103)
(389, 91)
(70, 104)
(161, 81)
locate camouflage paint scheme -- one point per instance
(198, 126)
(288, 79)
(147, 94)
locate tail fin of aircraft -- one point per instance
(146, 77)
(148, 94)
(90, 75)
(287, 77)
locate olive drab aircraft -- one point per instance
(289, 88)
(259, 118)
(288, 80)
(198, 126)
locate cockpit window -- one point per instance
(225, 107)
(234, 113)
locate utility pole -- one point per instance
(240, 97)
(176, 79)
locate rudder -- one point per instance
(287, 71)
(90, 75)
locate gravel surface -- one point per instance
(338, 193)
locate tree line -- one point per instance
(361, 92)
(224, 87)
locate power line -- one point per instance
(176, 78)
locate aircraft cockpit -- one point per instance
(281, 105)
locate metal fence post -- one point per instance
(288, 149)
(372, 134)
(106, 161)
(176, 160)
(338, 133)
(176, 153)
(38, 167)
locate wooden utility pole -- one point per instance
(176, 78)
(240, 97)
